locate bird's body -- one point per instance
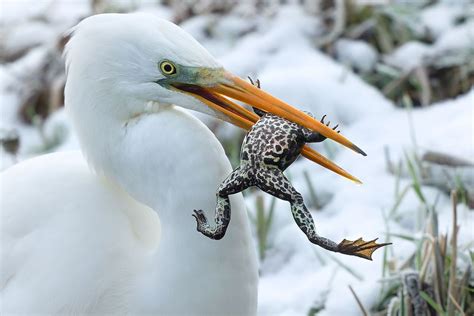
(118, 236)
(79, 243)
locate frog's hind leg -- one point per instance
(274, 182)
(237, 181)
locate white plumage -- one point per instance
(121, 239)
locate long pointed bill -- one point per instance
(243, 91)
(215, 98)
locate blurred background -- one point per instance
(396, 75)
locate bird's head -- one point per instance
(143, 60)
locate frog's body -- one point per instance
(270, 147)
(276, 142)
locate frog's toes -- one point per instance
(254, 83)
(329, 123)
(201, 219)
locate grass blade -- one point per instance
(452, 287)
(432, 303)
(362, 308)
(347, 268)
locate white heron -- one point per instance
(118, 237)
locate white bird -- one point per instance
(115, 235)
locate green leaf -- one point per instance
(432, 303)
(416, 182)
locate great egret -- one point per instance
(121, 238)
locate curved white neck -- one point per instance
(171, 162)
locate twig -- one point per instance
(395, 83)
(452, 287)
(362, 308)
(445, 159)
(456, 305)
(443, 171)
(422, 76)
(339, 24)
(347, 268)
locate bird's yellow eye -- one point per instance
(167, 68)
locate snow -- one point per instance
(352, 203)
(440, 17)
(13, 11)
(409, 55)
(56, 11)
(25, 36)
(357, 54)
(295, 274)
(11, 91)
(458, 38)
(58, 128)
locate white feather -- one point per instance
(122, 239)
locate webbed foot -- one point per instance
(360, 248)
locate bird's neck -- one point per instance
(171, 162)
(164, 160)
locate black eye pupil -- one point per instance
(168, 68)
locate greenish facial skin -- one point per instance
(198, 76)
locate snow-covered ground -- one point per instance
(280, 51)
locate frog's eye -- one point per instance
(167, 68)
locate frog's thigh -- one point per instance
(274, 182)
(239, 180)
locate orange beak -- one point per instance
(217, 97)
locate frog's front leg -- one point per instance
(236, 182)
(314, 137)
(256, 83)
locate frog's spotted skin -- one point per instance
(270, 147)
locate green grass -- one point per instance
(434, 261)
(263, 221)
